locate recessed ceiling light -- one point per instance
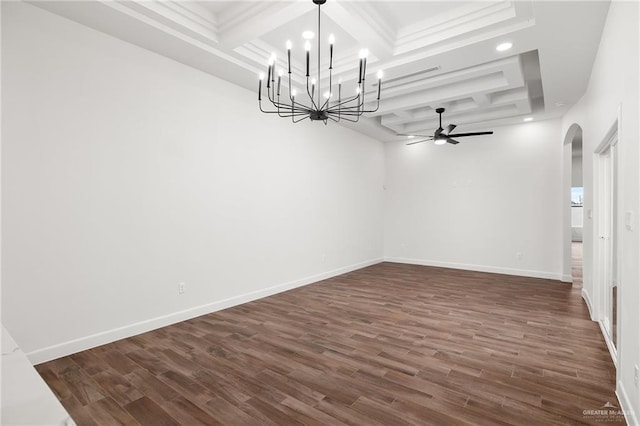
(504, 46)
(528, 119)
(561, 103)
(411, 136)
(308, 35)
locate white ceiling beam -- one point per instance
(458, 119)
(257, 19)
(518, 97)
(481, 99)
(364, 23)
(490, 82)
(401, 86)
(462, 20)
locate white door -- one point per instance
(606, 244)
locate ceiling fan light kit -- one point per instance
(443, 135)
(350, 108)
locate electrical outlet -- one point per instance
(636, 375)
(519, 255)
(182, 287)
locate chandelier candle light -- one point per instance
(349, 109)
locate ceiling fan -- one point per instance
(442, 136)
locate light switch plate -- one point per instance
(628, 220)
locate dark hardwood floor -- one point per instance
(390, 344)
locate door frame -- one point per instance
(606, 236)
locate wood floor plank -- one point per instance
(150, 386)
(119, 361)
(117, 386)
(388, 344)
(149, 413)
(107, 411)
(188, 413)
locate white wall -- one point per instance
(125, 173)
(576, 170)
(614, 86)
(476, 205)
(577, 217)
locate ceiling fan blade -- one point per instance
(461, 135)
(414, 135)
(452, 141)
(418, 141)
(449, 129)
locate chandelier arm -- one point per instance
(349, 119)
(331, 111)
(287, 108)
(345, 102)
(335, 120)
(264, 110)
(290, 97)
(273, 79)
(279, 104)
(330, 80)
(373, 110)
(350, 114)
(301, 119)
(311, 96)
(357, 109)
(285, 115)
(267, 112)
(319, 91)
(339, 98)
(269, 93)
(324, 105)
(352, 108)
(299, 106)
(360, 108)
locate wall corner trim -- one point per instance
(87, 342)
(625, 405)
(587, 301)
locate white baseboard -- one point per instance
(607, 340)
(566, 278)
(626, 406)
(587, 300)
(479, 268)
(73, 346)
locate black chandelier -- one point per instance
(349, 109)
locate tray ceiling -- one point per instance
(434, 54)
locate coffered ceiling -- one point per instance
(434, 54)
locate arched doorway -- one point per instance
(573, 196)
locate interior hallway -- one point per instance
(576, 264)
